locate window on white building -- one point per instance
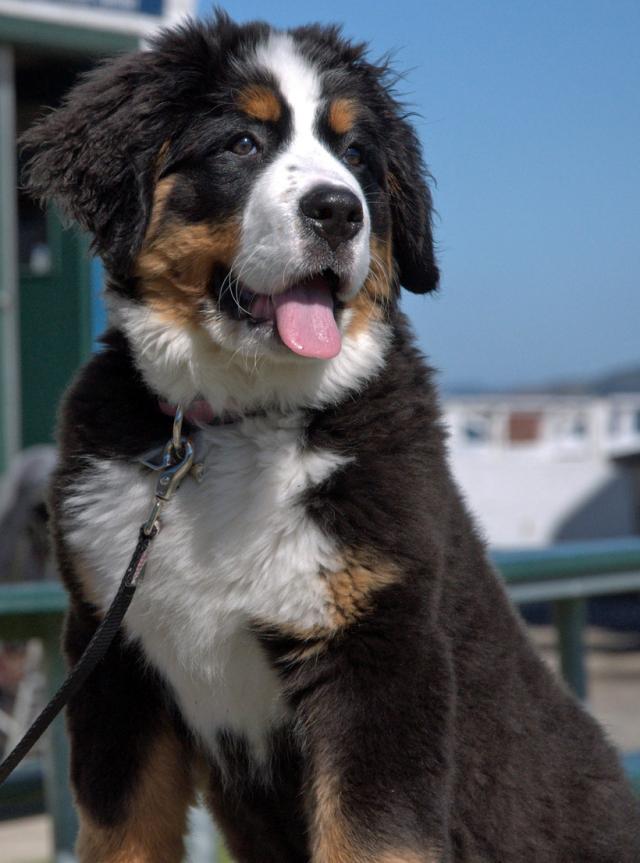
(579, 428)
(476, 429)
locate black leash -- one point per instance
(94, 652)
(175, 462)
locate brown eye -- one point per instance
(353, 156)
(244, 146)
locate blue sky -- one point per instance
(530, 122)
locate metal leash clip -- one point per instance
(176, 461)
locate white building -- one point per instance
(538, 469)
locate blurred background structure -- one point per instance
(530, 119)
(49, 310)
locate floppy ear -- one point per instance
(411, 210)
(95, 156)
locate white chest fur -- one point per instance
(236, 547)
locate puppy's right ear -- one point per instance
(95, 156)
(411, 210)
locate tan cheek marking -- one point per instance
(342, 115)
(261, 103)
(175, 268)
(157, 814)
(370, 301)
(177, 259)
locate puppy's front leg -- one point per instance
(130, 766)
(375, 708)
(151, 826)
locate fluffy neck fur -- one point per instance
(182, 363)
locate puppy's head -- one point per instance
(260, 186)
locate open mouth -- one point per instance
(303, 316)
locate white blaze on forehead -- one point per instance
(298, 81)
(274, 247)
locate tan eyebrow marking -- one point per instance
(261, 103)
(342, 115)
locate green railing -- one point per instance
(565, 575)
(36, 610)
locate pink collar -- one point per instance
(199, 412)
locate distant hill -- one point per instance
(625, 380)
(620, 381)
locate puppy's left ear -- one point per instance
(94, 156)
(411, 210)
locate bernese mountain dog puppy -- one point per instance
(319, 644)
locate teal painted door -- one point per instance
(54, 286)
(55, 317)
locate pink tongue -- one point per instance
(304, 317)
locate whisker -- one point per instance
(378, 272)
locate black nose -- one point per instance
(334, 213)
